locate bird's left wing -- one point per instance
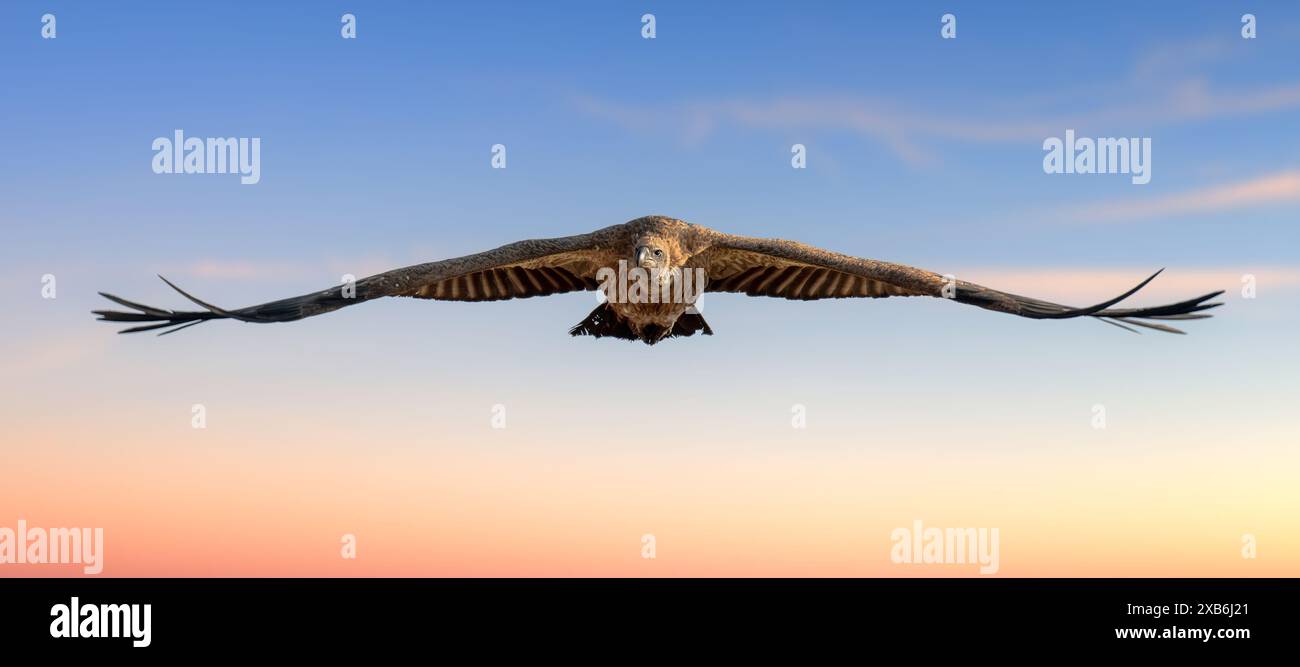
(517, 270)
(791, 270)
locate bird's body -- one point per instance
(636, 314)
(652, 271)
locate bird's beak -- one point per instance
(641, 257)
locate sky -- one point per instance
(376, 422)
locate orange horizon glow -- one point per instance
(230, 510)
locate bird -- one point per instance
(651, 272)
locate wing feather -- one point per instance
(518, 270)
(791, 270)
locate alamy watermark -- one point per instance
(946, 546)
(102, 621)
(1104, 155)
(53, 546)
(179, 154)
(636, 284)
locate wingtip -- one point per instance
(183, 326)
(204, 304)
(1122, 326)
(1097, 308)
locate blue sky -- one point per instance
(375, 153)
(389, 133)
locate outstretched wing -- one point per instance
(515, 271)
(790, 270)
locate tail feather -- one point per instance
(604, 322)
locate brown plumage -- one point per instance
(665, 250)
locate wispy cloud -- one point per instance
(1086, 285)
(1265, 190)
(240, 269)
(1163, 88)
(50, 352)
(246, 270)
(1177, 57)
(908, 131)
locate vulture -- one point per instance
(650, 272)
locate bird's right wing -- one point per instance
(517, 270)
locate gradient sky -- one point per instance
(375, 420)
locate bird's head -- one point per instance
(651, 253)
(654, 252)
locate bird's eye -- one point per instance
(659, 253)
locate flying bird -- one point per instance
(651, 271)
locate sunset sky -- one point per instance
(375, 421)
